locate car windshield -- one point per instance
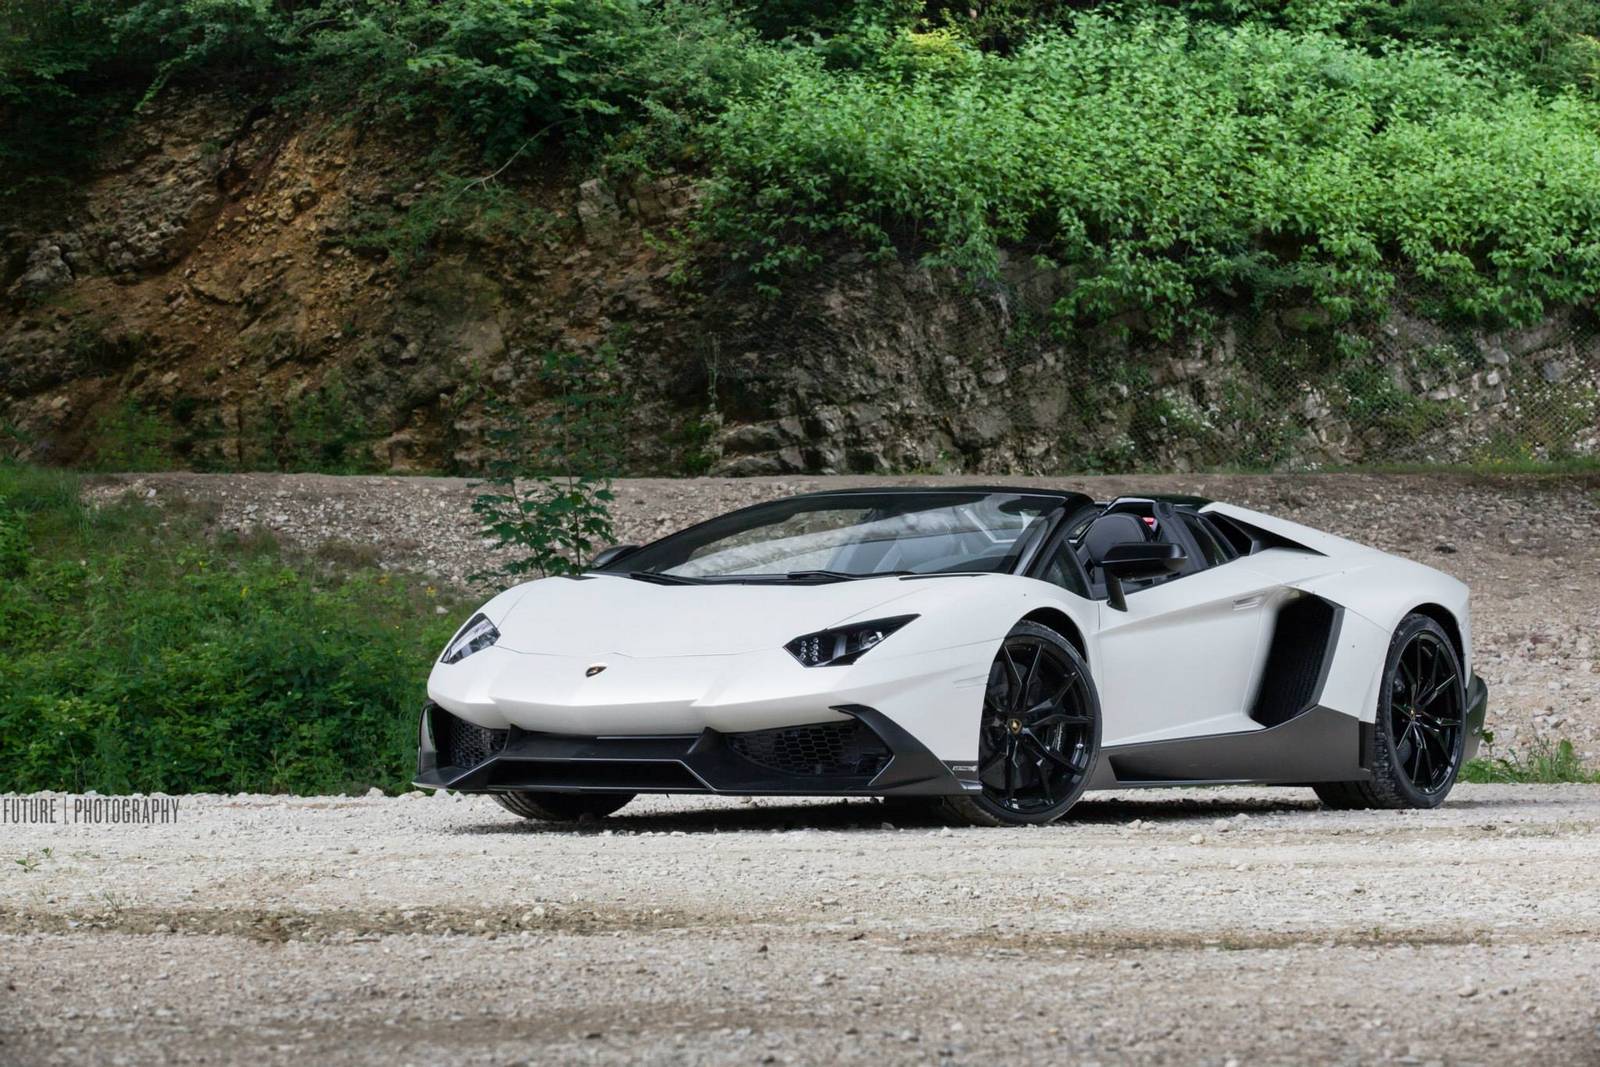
(853, 535)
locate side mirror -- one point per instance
(608, 556)
(1138, 559)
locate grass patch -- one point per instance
(1521, 465)
(1546, 763)
(139, 654)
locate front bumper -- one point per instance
(861, 753)
(1477, 713)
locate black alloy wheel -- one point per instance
(1420, 734)
(1426, 717)
(1039, 734)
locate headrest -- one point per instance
(1116, 529)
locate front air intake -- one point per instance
(463, 744)
(847, 749)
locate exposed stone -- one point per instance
(597, 211)
(46, 271)
(225, 252)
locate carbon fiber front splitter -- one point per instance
(707, 762)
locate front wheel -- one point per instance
(562, 807)
(1420, 734)
(1039, 735)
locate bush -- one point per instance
(136, 654)
(1166, 165)
(548, 495)
(507, 73)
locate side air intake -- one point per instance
(1303, 639)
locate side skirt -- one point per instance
(1319, 745)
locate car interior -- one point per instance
(1205, 541)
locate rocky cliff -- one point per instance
(244, 287)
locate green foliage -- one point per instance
(1549, 43)
(320, 430)
(1542, 764)
(52, 55)
(602, 73)
(138, 654)
(548, 496)
(1165, 165)
(1172, 158)
(13, 545)
(237, 38)
(457, 209)
(131, 438)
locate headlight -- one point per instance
(478, 634)
(845, 644)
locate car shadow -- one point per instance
(871, 815)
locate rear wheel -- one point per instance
(1421, 729)
(1039, 734)
(562, 807)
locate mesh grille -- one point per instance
(462, 744)
(842, 748)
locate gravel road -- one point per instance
(1528, 546)
(1186, 927)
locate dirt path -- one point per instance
(1185, 927)
(1528, 546)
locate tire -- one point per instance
(562, 807)
(1419, 738)
(1038, 736)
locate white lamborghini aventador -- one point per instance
(994, 651)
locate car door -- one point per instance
(1182, 659)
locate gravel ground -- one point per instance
(1528, 546)
(1191, 927)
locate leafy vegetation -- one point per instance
(551, 502)
(137, 654)
(1167, 164)
(1171, 157)
(1543, 764)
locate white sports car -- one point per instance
(993, 651)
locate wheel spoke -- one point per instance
(1058, 717)
(1410, 759)
(1436, 692)
(1425, 757)
(1408, 682)
(1013, 671)
(1047, 752)
(1033, 671)
(1072, 680)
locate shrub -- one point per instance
(548, 495)
(1165, 165)
(505, 73)
(137, 653)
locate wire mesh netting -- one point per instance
(898, 367)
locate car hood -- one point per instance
(613, 615)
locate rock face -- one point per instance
(898, 368)
(238, 288)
